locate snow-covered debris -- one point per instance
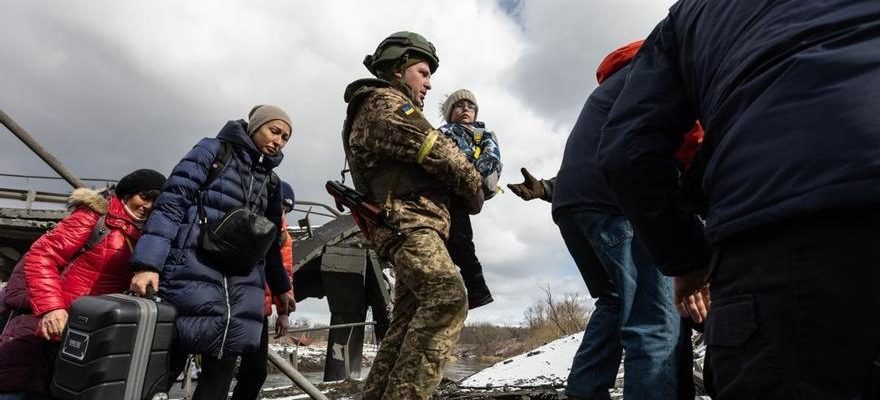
(547, 365)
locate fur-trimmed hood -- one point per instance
(90, 198)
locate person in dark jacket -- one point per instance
(220, 314)
(786, 91)
(634, 316)
(254, 366)
(72, 260)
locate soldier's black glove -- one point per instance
(474, 204)
(531, 188)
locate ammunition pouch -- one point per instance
(410, 180)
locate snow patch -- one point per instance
(547, 365)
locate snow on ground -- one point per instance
(317, 349)
(311, 352)
(547, 365)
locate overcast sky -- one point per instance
(111, 86)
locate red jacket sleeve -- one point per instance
(50, 254)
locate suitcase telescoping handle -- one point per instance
(151, 294)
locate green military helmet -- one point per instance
(397, 48)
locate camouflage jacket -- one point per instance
(387, 131)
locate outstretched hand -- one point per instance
(531, 188)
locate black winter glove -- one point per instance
(531, 188)
(475, 204)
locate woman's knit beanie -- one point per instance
(139, 181)
(264, 113)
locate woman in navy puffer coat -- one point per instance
(219, 315)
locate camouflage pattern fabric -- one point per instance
(430, 300)
(388, 126)
(430, 307)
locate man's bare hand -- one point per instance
(531, 188)
(282, 324)
(692, 295)
(284, 304)
(142, 279)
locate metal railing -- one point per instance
(331, 327)
(285, 366)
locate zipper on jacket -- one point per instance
(259, 162)
(247, 196)
(228, 318)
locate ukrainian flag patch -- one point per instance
(407, 109)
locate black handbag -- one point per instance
(240, 239)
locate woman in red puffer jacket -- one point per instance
(60, 267)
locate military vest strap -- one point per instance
(355, 94)
(389, 178)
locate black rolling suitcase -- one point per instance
(115, 347)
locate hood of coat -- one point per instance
(113, 208)
(89, 198)
(235, 132)
(617, 60)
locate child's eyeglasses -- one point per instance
(466, 105)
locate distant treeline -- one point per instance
(546, 320)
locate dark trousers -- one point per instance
(796, 308)
(216, 376)
(214, 379)
(464, 255)
(253, 369)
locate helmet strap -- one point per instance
(400, 82)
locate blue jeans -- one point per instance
(634, 311)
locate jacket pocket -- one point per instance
(731, 322)
(612, 230)
(744, 355)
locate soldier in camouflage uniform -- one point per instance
(400, 161)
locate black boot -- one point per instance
(464, 255)
(477, 292)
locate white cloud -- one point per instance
(110, 86)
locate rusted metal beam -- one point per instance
(29, 141)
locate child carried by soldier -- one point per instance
(481, 148)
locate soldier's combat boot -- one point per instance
(477, 292)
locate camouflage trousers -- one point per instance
(430, 306)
